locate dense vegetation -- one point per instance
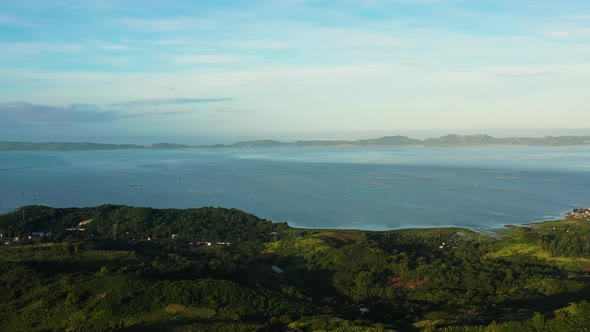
(141, 269)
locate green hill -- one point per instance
(121, 268)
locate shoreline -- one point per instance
(298, 227)
(451, 140)
(352, 146)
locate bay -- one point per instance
(371, 188)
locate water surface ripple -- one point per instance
(372, 188)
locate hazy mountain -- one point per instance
(63, 146)
(454, 139)
(447, 140)
(169, 146)
(257, 143)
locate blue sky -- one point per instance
(293, 68)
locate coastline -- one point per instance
(451, 140)
(294, 226)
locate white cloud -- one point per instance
(521, 72)
(162, 25)
(208, 59)
(259, 44)
(17, 22)
(582, 17)
(113, 47)
(344, 69)
(573, 33)
(351, 38)
(368, 97)
(559, 34)
(112, 60)
(170, 42)
(102, 5)
(40, 47)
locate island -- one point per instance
(443, 141)
(127, 268)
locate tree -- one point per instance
(538, 321)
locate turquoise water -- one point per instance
(373, 188)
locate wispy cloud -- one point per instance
(162, 25)
(40, 47)
(8, 20)
(571, 33)
(169, 101)
(233, 110)
(583, 17)
(522, 72)
(112, 60)
(559, 34)
(295, 60)
(150, 114)
(28, 113)
(169, 42)
(208, 59)
(260, 44)
(114, 47)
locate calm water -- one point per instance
(372, 188)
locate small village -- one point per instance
(578, 214)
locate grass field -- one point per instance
(528, 249)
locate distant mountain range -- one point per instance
(448, 140)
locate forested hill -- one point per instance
(121, 268)
(123, 222)
(448, 140)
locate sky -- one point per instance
(292, 69)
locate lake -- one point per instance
(371, 188)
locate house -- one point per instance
(79, 228)
(84, 222)
(364, 310)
